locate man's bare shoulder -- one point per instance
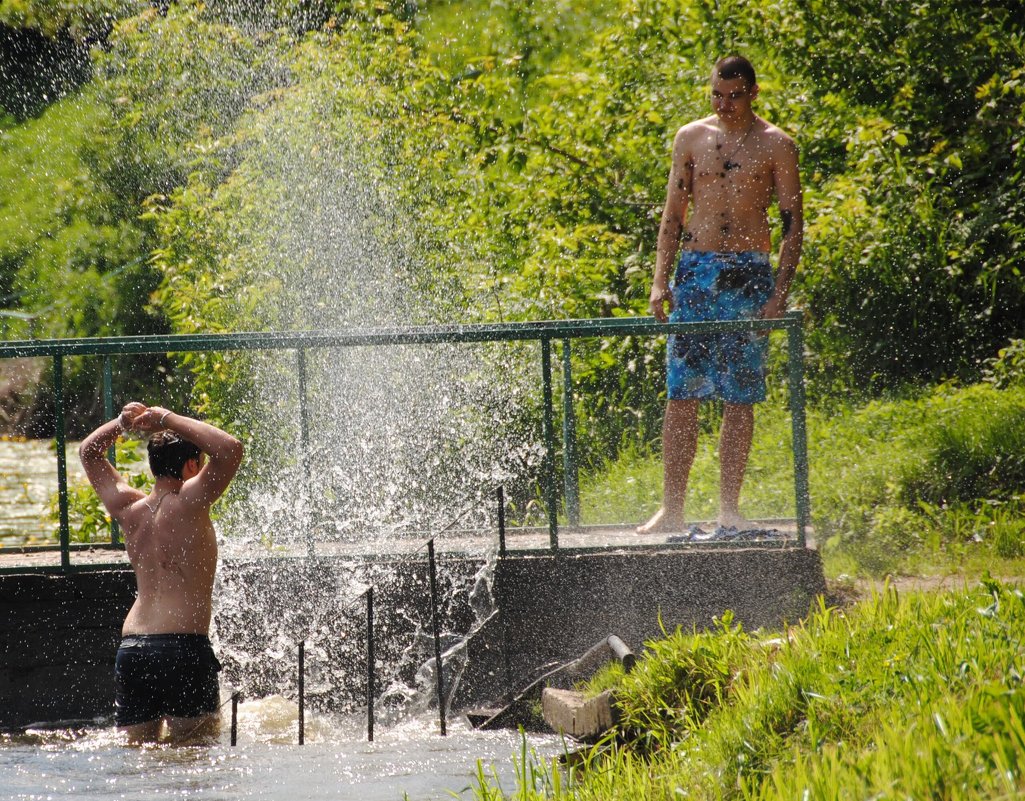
(696, 130)
(776, 137)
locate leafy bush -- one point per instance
(1007, 368)
(974, 448)
(83, 19)
(173, 84)
(70, 261)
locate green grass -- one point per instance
(929, 483)
(899, 696)
(629, 489)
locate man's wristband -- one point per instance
(163, 417)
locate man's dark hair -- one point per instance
(735, 67)
(168, 453)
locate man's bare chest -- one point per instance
(737, 172)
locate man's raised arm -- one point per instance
(114, 491)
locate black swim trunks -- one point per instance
(158, 675)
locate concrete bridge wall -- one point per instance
(59, 634)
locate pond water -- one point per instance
(28, 482)
(408, 760)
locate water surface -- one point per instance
(410, 759)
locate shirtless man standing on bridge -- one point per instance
(166, 670)
(726, 168)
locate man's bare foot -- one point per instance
(736, 521)
(660, 523)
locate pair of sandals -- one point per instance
(725, 534)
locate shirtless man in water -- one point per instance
(726, 168)
(166, 671)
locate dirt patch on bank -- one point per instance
(847, 592)
(19, 379)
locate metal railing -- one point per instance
(545, 333)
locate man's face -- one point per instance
(731, 98)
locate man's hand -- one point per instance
(130, 413)
(774, 309)
(657, 301)
(150, 418)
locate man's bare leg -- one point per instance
(734, 448)
(139, 733)
(194, 731)
(679, 444)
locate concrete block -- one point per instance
(571, 713)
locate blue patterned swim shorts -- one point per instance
(719, 286)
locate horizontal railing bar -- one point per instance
(74, 546)
(86, 567)
(417, 335)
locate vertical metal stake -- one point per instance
(62, 460)
(437, 635)
(501, 521)
(370, 665)
(234, 718)
(108, 413)
(304, 449)
(570, 475)
(549, 437)
(795, 346)
(302, 692)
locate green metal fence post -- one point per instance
(548, 473)
(62, 460)
(108, 413)
(304, 449)
(795, 348)
(570, 475)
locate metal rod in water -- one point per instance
(234, 718)
(302, 692)
(304, 448)
(501, 521)
(437, 635)
(370, 665)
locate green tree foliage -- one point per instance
(174, 83)
(83, 19)
(914, 266)
(69, 257)
(525, 148)
(44, 48)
